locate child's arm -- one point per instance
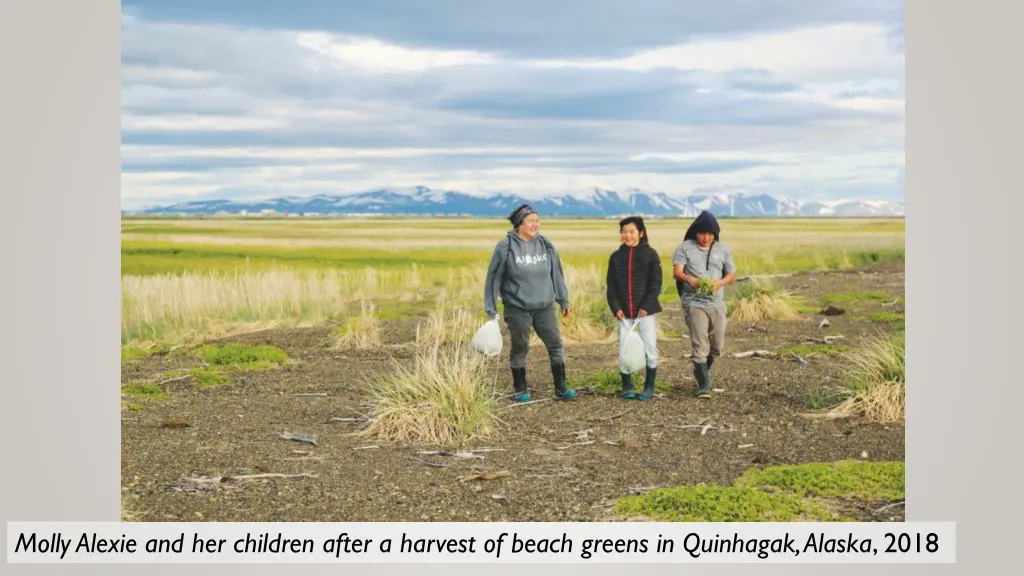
(654, 280)
(612, 294)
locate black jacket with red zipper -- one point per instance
(634, 279)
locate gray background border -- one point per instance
(60, 159)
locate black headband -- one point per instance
(520, 214)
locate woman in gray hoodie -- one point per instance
(526, 273)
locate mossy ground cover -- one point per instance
(813, 492)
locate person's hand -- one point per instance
(691, 281)
(715, 285)
(620, 315)
(565, 312)
(642, 313)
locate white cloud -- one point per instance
(190, 122)
(314, 112)
(842, 52)
(367, 54)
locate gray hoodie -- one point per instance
(526, 275)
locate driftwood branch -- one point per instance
(753, 354)
(431, 464)
(485, 476)
(888, 506)
(211, 480)
(822, 415)
(528, 403)
(298, 438)
(827, 340)
(464, 455)
(703, 426)
(587, 443)
(638, 490)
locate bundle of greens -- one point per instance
(705, 286)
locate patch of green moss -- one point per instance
(243, 356)
(721, 504)
(143, 390)
(610, 382)
(856, 297)
(133, 354)
(804, 492)
(869, 481)
(886, 317)
(206, 378)
(815, 349)
(822, 399)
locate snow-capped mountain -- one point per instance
(591, 202)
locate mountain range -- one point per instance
(590, 202)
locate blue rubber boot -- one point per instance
(519, 383)
(649, 380)
(627, 387)
(561, 391)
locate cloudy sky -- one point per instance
(231, 99)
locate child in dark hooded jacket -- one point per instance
(634, 284)
(702, 255)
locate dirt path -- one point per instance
(561, 461)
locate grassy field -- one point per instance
(185, 278)
(760, 246)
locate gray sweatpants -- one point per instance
(545, 322)
(707, 332)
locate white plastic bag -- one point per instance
(487, 339)
(632, 357)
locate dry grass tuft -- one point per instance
(445, 324)
(761, 299)
(878, 382)
(360, 332)
(441, 399)
(589, 319)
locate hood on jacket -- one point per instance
(639, 222)
(705, 222)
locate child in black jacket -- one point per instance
(634, 284)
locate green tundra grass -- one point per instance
(184, 278)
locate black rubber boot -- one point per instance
(710, 361)
(700, 372)
(519, 382)
(627, 387)
(561, 391)
(649, 380)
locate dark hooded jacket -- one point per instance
(634, 278)
(704, 222)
